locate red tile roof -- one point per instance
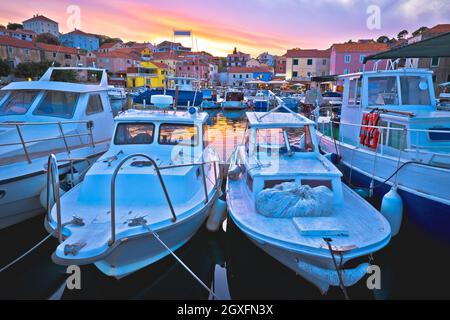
(360, 47)
(108, 45)
(440, 28)
(248, 69)
(308, 53)
(56, 48)
(82, 33)
(165, 56)
(39, 17)
(119, 54)
(30, 32)
(160, 65)
(14, 42)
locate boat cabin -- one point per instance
(236, 96)
(402, 103)
(71, 103)
(283, 147)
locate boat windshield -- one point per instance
(183, 134)
(58, 104)
(18, 102)
(415, 90)
(299, 139)
(134, 133)
(383, 91)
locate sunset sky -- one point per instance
(252, 26)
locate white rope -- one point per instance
(26, 253)
(181, 262)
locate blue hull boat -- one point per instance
(185, 97)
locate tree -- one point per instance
(383, 39)
(235, 50)
(419, 31)
(130, 43)
(4, 68)
(402, 34)
(32, 69)
(14, 26)
(106, 39)
(47, 38)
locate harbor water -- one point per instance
(412, 266)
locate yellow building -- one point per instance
(148, 74)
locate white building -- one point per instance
(40, 24)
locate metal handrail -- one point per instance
(63, 136)
(53, 174)
(158, 172)
(53, 178)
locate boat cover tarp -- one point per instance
(438, 46)
(289, 199)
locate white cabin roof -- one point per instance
(277, 120)
(161, 116)
(395, 72)
(54, 86)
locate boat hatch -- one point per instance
(235, 96)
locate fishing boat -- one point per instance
(261, 101)
(116, 93)
(233, 100)
(67, 113)
(144, 198)
(393, 141)
(444, 96)
(209, 99)
(289, 200)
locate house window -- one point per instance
(361, 58)
(309, 62)
(347, 58)
(54, 54)
(346, 71)
(27, 51)
(295, 62)
(435, 62)
(295, 74)
(309, 74)
(246, 76)
(10, 49)
(324, 62)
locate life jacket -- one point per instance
(364, 129)
(373, 135)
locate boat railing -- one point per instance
(415, 146)
(59, 124)
(158, 170)
(53, 183)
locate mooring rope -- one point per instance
(338, 271)
(27, 252)
(179, 260)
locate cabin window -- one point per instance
(18, 102)
(415, 90)
(272, 183)
(383, 91)
(57, 104)
(272, 140)
(316, 183)
(354, 92)
(134, 133)
(94, 104)
(182, 134)
(397, 137)
(205, 135)
(435, 62)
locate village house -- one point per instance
(280, 66)
(111, 46)
(64, 56)
(237, 76)
(302, 64)
(81, 40)
(349, 57)
(267, 59)
(168, 58)
(41, 24)
(148, 74)
(167, 46)
(201, 70)
(252, 63)
(16, 51)
(237, 59)
(115, 62)
(20, 34)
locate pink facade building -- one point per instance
(193, 69)
(349, 57)
(115, 62)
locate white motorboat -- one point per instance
(290, 201)
(444, 96)
(233, 100)
(392, 135)
(116, 93)
(157, 182)
(66, 113)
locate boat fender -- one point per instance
(217, 215)
(234, 172)
(392, 209)
(43, 197)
